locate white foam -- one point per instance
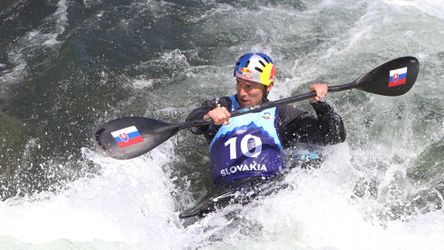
(19, 53)
(431, 7)
(141, 84)
(129, 202)
(13, 75)
(320, 213)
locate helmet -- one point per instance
(256, 67)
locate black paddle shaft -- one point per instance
(393, 78)
(264, 106)
(377, 81)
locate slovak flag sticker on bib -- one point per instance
(127, 136)
(398, 77)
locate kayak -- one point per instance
(244, 191)
(240, 193)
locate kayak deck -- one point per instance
(241, 193)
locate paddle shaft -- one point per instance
(393, 78)
(266, 105)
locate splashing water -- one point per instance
(74, 65)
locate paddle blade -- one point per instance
(129, 137)
(393, 78)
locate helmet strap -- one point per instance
(266, 91)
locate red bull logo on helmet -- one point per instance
(244, 73)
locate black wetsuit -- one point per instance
(294, 125)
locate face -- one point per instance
(250, 93)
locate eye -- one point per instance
(248, 87)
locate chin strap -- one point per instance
(265, 94)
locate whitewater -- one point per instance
(68, 66)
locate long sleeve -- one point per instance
(209, 131)
(325, 128)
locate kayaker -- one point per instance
(251, 145)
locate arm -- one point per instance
(298, 126)
(209, 110)
(325, 128)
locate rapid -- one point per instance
(67, 66)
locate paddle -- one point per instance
(129, 137)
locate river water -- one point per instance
(67, 66)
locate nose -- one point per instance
(242, 92)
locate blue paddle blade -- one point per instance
(129, 137)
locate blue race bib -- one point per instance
(249, 146)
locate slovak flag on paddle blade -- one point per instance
(127, 136)
(398, 77)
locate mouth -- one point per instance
(244, 101)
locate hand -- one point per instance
(320, 89)
(219, 115)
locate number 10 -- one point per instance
(245, 142)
